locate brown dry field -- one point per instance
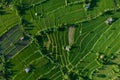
(71, 35)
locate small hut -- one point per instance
(87, 6)
(36, 14)
(109, 21)
(67, 48)
(101, 56)
(27, 70)
(22, 38)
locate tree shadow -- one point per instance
(2, 11)
(118, 10)
(1, 49)
(39, 39)
(72, 25)
(9, 65)
(108, 13)
(110, 63)
(115, 19)
(21, 8)
(101, 75)
(8, 70)
(73, 76)
(74, 46)
(25, 22)
(61, 29)
(87, 1)
(93, 3)
(115, 3)
(27, 25)
(8, 2)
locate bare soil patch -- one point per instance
(71, 35)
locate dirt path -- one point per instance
(71, 35)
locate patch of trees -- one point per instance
(106, 59)
(101, 75)
(21, 8)
(6, 2)
(2, 11)
(5, 72)
(41, 39)
(87, 1)
(62, 27)
(26, 24)
(115, 4)
(93, 3)
(73, 76)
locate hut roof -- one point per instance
(27, 70)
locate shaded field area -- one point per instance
(11, 43)
(41, 67)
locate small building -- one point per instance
(36, 14)
(87, 6)
(109, 21)
(101, 56)
(22, 38)
(27, 70)
(67, 48)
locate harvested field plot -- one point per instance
(71, 35)
(12, 41)
(59, 39)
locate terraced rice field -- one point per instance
(59, 40)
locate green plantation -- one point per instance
(59, 40)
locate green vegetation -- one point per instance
(59, 39)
